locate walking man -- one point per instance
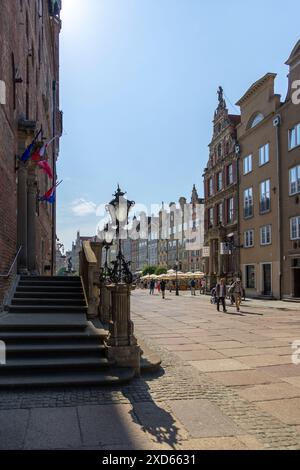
(221, 291)
(152, 286)
(163, 288)
(237, 290)
(193, 287)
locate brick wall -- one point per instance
(29, 38)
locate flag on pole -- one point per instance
(40, 153)
(50, 196)
(26, 155)
(44, 165)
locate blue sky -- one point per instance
(138, 91)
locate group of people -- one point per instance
(235, 291)
(161, 287)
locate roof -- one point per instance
(253, 89)
(294, 54)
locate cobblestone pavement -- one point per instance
(227, 382)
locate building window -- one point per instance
(266, 235)
(256, 120)
(210, 187)
(220, 181)
(294, 137)
(265, 196)
(229, 174)
(220, 152)
(247, 164)
(295, 180)
(250, 276)
(249, 239)
(248, 202)
(211, 217)
(230, 210)
(295, 228)
(264, 154)
(220, 213)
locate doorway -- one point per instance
(297, 283)
(267, 279)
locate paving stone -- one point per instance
(221, 345)
(53, 428)
(264, 360)
(242, 377)
(220, 365)
(287, 411)
(13, 424)
(203, 419)
(199, 355)
(286, 370)
(106, 425)
(219, 443)
(274, 391)
(187, 347)
(292, 380)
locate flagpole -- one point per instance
(54, 181)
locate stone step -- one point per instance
(43, 321)
(50, 278)
(41, 378)
(72, 362)
(49, 294)
(48, 302)
(66, 336)
(62, 289)
(50, 284)
(53, 347)
(44, 309)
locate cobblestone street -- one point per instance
(227, 382)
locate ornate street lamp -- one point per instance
(119, 209)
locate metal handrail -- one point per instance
(5, 276)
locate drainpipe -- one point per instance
(54, 180)
(276, 124)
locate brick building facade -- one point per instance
(29, 75)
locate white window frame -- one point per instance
(229, 174)
(295, 220)
(220, 181)
(210, 187)
(249, 238)
(264, 154)
(297, 182)
(247, 199)
(211, 219)
(247, 164)
(294, 137)
(266, 235)
(264, 195)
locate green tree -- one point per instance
(149, 270)
(160, 270)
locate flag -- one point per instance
(44, 165)
(26, 155)
(40, 153)
(49, 196)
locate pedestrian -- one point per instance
(158, 287)
(202, 286)
(193, 287)
(213, 298)
(152, 286)
(163, 288)
(237, 290)
(170, 287)
(221, 293)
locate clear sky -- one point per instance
(138, 90)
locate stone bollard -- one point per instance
(121, 344)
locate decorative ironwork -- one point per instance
(119, 272)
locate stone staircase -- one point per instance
(49, 340)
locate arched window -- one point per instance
(220, 150)
(255, 120)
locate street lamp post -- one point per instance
(122, 347)
(176, 268)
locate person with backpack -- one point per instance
(163, 288)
